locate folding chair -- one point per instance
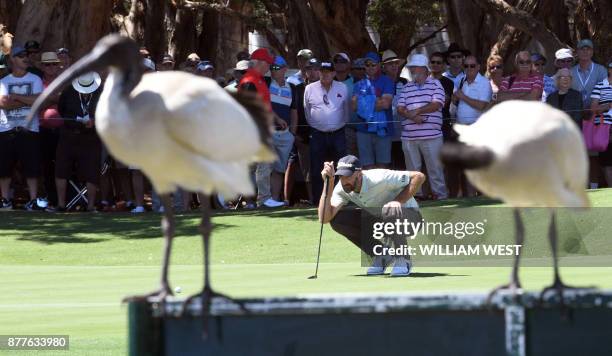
(80, 194)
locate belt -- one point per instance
(328, 132)
(18, 129)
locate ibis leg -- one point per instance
(514, 286)
(167, 225)
(207, 292)
(558, 286)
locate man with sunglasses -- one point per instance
(371, 100)
(327, 110)
(538, 64)
(523, 84)
(18, 141)
(454, 57)
(33, 50)
(474, 93)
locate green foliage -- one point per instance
(395, 18)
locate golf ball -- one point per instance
(178, 289)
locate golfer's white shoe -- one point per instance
(401, 267)
(378, 266)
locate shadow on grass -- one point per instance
(415, 275)
(70, 228)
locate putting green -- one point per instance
(67, 273)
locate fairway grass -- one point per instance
(67, 273)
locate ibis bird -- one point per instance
(527, 154)
(181, 130)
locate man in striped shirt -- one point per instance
(420, 106)
(523, 85)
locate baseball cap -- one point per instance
(537, 57)
(305, 53)
(242, 65)
(193, 57)
(62, 50)
(279, 62)
(313, 63)
(585, 43)
(49, 57)
(167, 59)
(359, 63)
(347, 165)
(327, 65)
(564, 53)
(32, 46)
(262, 54)
(17, 50)
(418, 60)
(205, 65)
(343, 56)
(372, 56)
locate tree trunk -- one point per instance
(75, 24)
(9, 14)
(593, 21)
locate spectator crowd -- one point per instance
(389, 112)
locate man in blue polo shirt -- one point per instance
(372, 99)
(280, 97)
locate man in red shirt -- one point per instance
(253, 79)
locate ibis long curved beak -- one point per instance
(94, 61)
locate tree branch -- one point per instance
(523, 21)
(425, 39)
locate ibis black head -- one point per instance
(461, 155)
(114, 51)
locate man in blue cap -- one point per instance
(371, 100)
(586, 73)
(280, 97)
(18, 141)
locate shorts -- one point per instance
(373, 149)
(22, 146)
(84, 150)
(283, 143)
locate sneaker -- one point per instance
(271, 203)
(401, 268)
(137, 210)
(39, 204)
(5, 204)
(378, 266)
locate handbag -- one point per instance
(596, 135)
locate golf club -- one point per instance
(321, 232)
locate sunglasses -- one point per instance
(539, 64)
(325, 99)
(524, 62)
(495, 67)
(50, 64)
(436, 62)
(340, 60)
(457, 56)
(357, 68)
(21, 55)
(370, 65)
(469, 66)
(275, 67)
(567, 60)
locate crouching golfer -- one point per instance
(378, 194)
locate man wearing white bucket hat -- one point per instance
(420, 107)
(78, 140)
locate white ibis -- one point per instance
(181, 130)
(527, 154)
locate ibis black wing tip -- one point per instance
(465, 156)
(261, 115)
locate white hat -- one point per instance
(242, 65)
(87, 83)
(148, 64)
(564, 53)
(418, 60)
(390, 56)
(343, 56)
